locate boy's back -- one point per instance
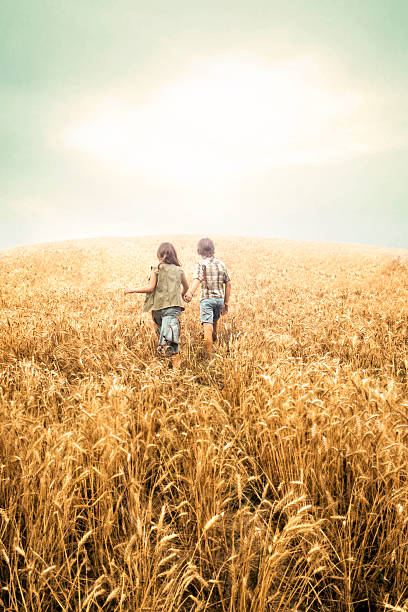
(212, 274)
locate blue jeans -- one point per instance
(210, 309)
(168, 329)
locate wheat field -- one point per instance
(272, 479)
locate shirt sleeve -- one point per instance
(226, 276)
(198, 272)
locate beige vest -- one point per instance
(168, 288)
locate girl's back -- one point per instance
(167, 292)
(164, 299)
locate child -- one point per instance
(164, 299)
(212, 274)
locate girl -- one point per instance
(164, 299)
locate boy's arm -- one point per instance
(185, 285)
(148, 289)
(194, 286)
(226, 297)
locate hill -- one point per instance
(273, 478)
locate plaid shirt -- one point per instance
(213, 275)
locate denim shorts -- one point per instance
(210, 309)
(168, 329)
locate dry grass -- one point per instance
(273, 479)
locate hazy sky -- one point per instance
(258, 117)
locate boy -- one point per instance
(212, 275)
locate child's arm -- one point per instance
(148, 289)
(185, 285)
(226, 297)
(194, 286)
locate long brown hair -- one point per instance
(167, 254)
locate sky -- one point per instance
(219, 117)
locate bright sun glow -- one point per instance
(225, 119)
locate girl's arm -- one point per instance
(148, 289)
(185, 285)
(194, 286)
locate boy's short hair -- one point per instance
(205, 247)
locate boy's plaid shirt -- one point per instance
(213, 275)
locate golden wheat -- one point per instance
(273, 478)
